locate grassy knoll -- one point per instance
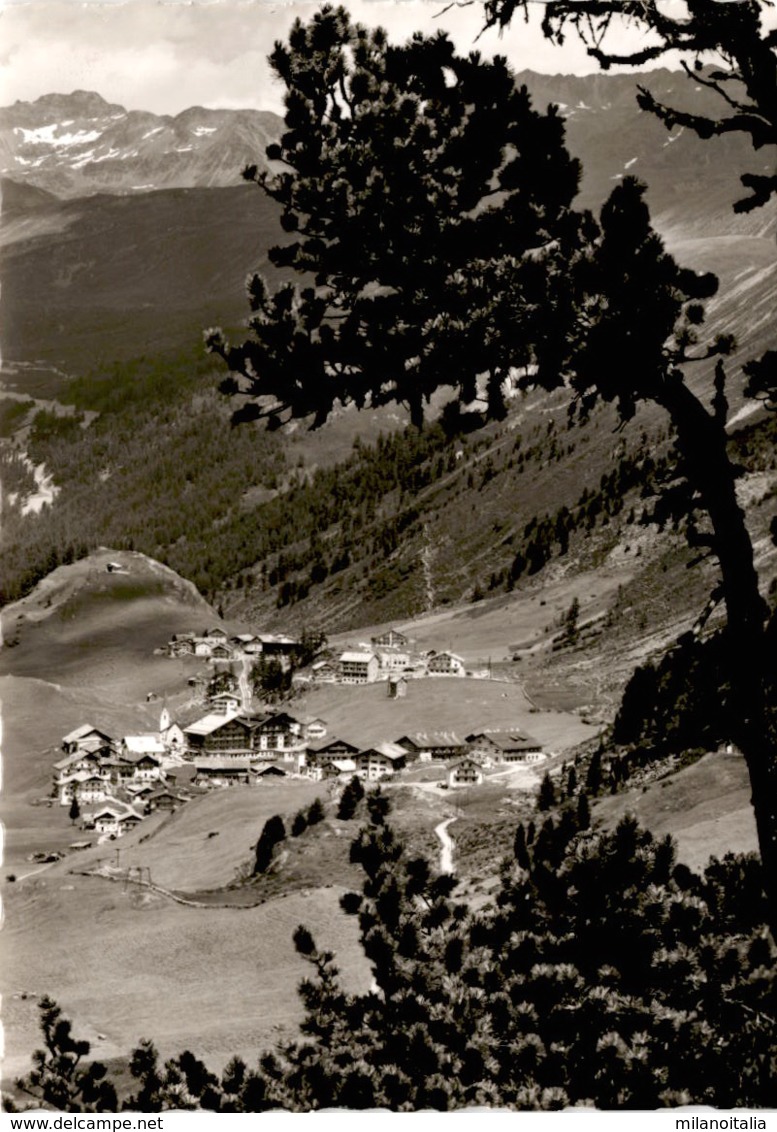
(82, 626)
(204, 844)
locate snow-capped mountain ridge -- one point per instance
(78, 144)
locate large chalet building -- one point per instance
(433, 745)
(358, 668)
(220, 734)
(244, 736)
(505, 746)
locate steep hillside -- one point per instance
(158, 969)
(691, 183)
(706, 808)
(86, 282)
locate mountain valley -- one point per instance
(532, 548)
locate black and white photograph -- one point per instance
(388, 557)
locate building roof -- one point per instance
(390, 751)
(82, 776)
(275, 719)
(183, 774)
(135, 758)
(424, 739)
(222, 767)
(446, 652)
(118, 761)
(325, 744)
(144, 745)
(345, 766)
(164, 794)
(269, 769)
(116, 810)
(207, 724)
(356, 657)
(512, 740)
(76, 757)
(81, 733)
(138, 787)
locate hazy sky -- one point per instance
(166, 55)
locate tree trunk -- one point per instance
(703, 443)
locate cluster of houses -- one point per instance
(232, 743)
(118, 782)
(217, 644)
(390, 657)
(115, 782)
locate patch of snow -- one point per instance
(82, 137)
(183, 148)
(148, 186)
(130, 153)
(29, 162)
(46, 135)
(83, 160)
(201, 131)
(46, 492)
(629, 164)
(582, 106)
(107, 156)
(150, 133)
(746, 411)
(673, 137)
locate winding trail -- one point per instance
(446, 853)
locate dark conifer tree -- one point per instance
(273, 832)
(62, 1077)
(583, 811)
(315, 812)
(593, 780)
(299, 823)
(389, 152)
(520, 849)
(546, 799)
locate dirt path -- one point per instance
(244, 683)
(446, 853)
(34, 872)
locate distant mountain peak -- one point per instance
(79, 144)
